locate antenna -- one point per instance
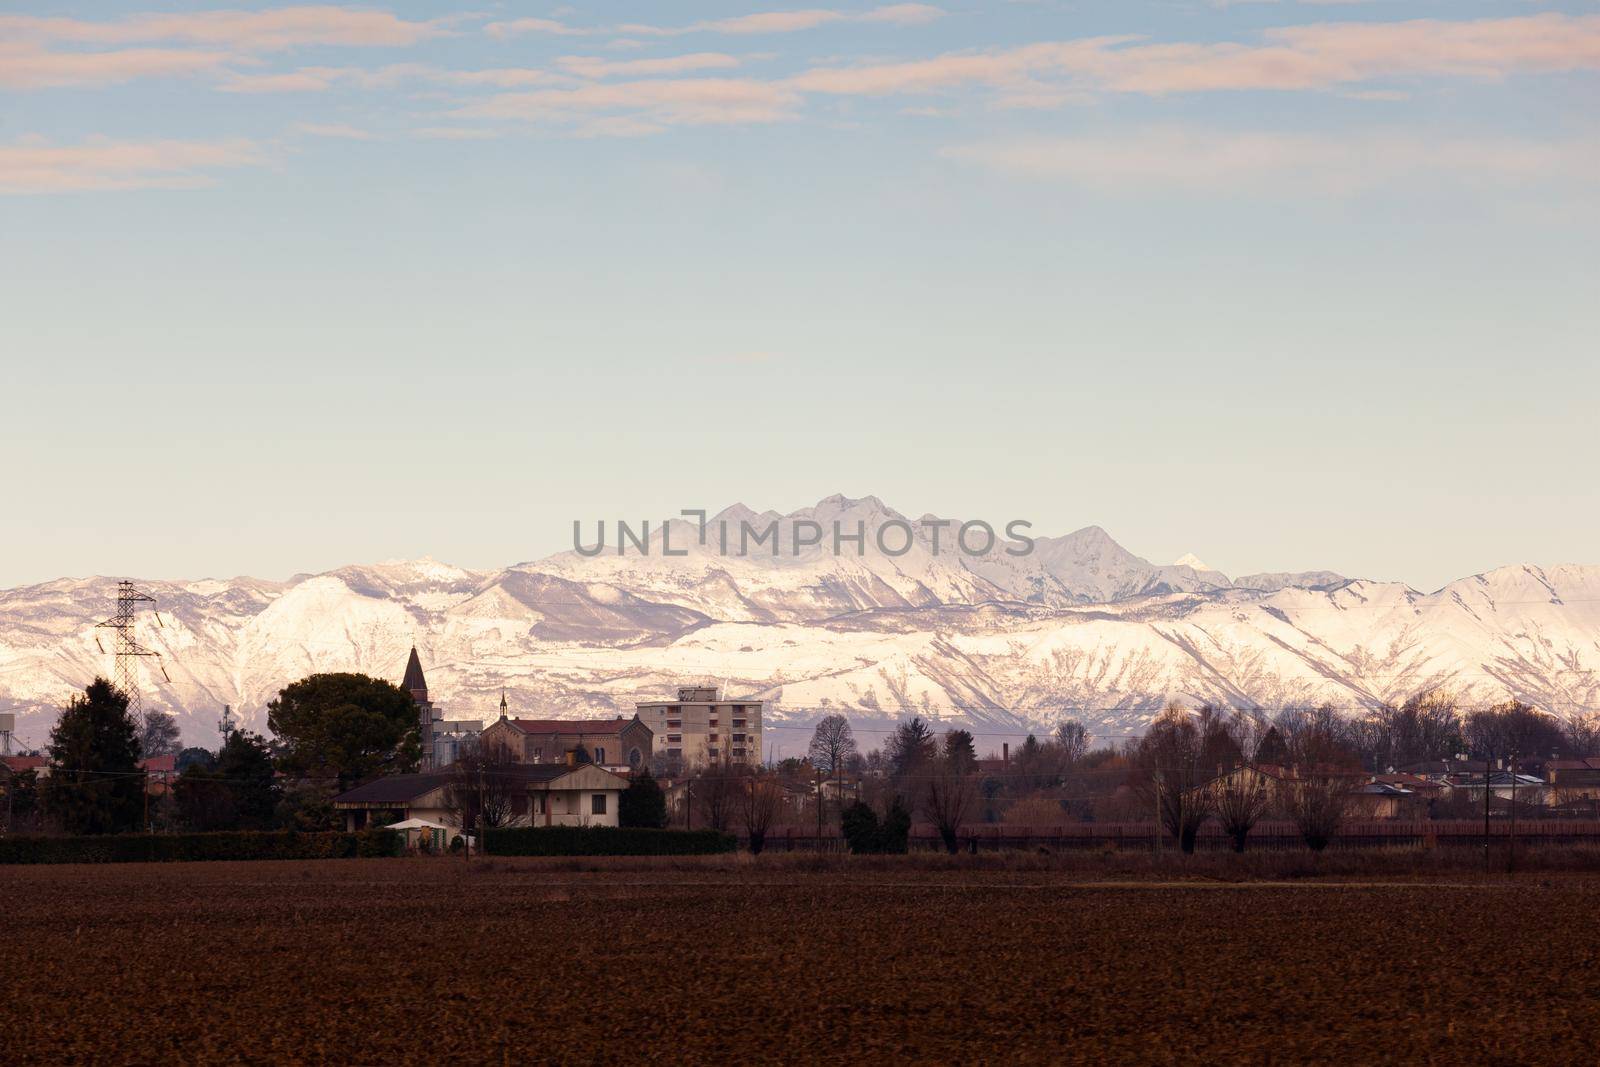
(225, 724)
(128, 651)
(8, 723)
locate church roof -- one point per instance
(572, 726)
(414, 681)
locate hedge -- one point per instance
(605, 841)
(183, 848)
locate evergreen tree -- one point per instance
(245, 765)
(345, 726)
(95, 785)
(643, 803)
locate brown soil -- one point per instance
(513, 961)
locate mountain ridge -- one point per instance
(999, 643)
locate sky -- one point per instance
(1287, 285)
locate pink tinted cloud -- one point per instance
(637, 107)
(1305, 57)
(35, 165)
(596, 67)
(768, 22)
(25, 66)
(267, 30)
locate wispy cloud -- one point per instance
(1305, 57)
(796, 21)
(594, 67)
(266, 30)
(641, 107)
(47, 53)
(36, 165)
(1222, 161)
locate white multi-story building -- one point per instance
(700, 728)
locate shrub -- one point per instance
(865, 834)
(184, 848)
(605, 841)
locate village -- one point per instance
(1197, 780)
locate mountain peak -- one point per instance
(1189, 559)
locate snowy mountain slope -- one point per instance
(999, 644)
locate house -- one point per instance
(621, 744)
(159, 774)
(39, 765)
(1380, 800)
(545, 794)
(443, 740)
(701, 728)
(1574, 779)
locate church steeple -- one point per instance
(414, 683)
(502, 703)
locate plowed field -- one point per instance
(399, 961)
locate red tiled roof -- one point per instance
(570, 726)
(21, 764)
(160, 764)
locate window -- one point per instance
(738, 724)
(634, 757)
(600, 756)
(675, 724)
(711, 752)
(674, 753)
(713, 722)
(597, 804)
(540, 803)
(674, 739)
(538, 755)
(713, 737)
(738, 739)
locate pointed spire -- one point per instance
(414, 682)
(502, 702)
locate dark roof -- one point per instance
(404, 788)
(414, 682)
(21, 764)
(394, 789)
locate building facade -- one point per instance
(700, 728)
(620, 744)
(555, 794)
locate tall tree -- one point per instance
(1074, 739)
(345, 726)
(95, 785)
(1240, 797)
(832, 743)
(949, 798)
(158, 734)
(1170, 772)
(758, 806)
(483, 787)
(960, 750)
(1324, 769)
(245, 766)
(643, 803)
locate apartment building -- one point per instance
(700, 727)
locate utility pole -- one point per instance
(1488, 758)
(1158, 812)
(819, 811)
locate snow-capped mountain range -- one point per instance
(1002, 644)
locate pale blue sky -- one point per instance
(1286, 285)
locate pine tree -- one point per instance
(95, 785)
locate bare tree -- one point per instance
(158, 734)
(1241, 796)
(1323, 772)
(832, 744)
(483, 788)
(1074, 740)
(714, 791)
(760, 794)
(949, 796)
(1583, 733)
(1169, 772)
(1426, 727)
